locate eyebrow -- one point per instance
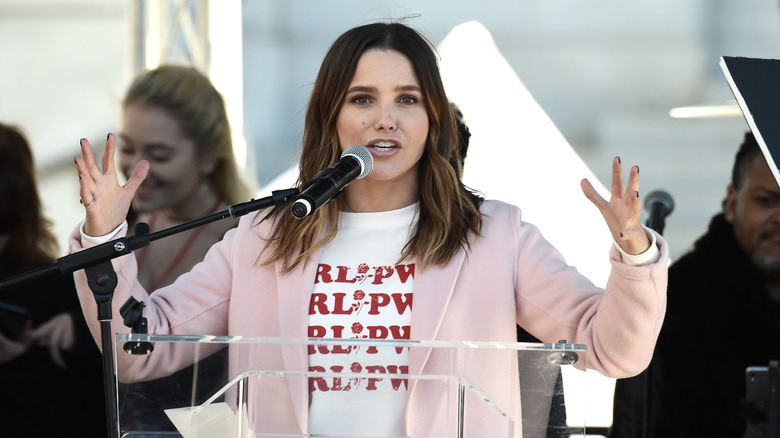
(155, 145)
(771, 191)
(363, 88)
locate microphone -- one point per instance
(659, 204)
(356, 162)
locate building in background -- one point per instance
(605, 72)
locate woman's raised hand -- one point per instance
(622, 210)
(105, 200)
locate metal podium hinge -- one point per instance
(563, 357)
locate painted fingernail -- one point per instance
(108, 135)
(621, 235)
(637, 170)
(75, 162)
(619, 162)
(637, 194)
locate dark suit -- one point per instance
(720, 319)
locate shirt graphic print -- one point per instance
(362, 292)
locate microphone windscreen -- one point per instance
(660, 197)
(364, 156)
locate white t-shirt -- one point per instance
(361, 292)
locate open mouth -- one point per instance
(383, 146)
(145, 191)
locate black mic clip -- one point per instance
(132, 312)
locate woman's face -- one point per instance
(383, 110)
(176, 173)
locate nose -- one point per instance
(128, 161)
(386, 120)
(775, 214)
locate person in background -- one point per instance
(174, 118)
(467, 268)
(464, 134)
(723, 311)
(51, 378)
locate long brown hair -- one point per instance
(190, 97)
(31, 242)
(448, 210)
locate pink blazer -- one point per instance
(511, 274)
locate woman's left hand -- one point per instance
(622, 210)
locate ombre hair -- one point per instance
(190, 98)
(448, 210)
(31, 243)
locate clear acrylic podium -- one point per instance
(450, 389)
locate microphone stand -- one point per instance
(102, 280)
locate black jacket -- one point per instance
(720, 319)
(40, 399)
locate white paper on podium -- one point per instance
(216, 420)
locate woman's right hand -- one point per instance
(105, 200)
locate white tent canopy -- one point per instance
(516, 153)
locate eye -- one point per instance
(766, 201)
(160, 157)
(408, 100)
(361, 100)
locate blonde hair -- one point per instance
(190, 97)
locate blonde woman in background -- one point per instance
(175, 119)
